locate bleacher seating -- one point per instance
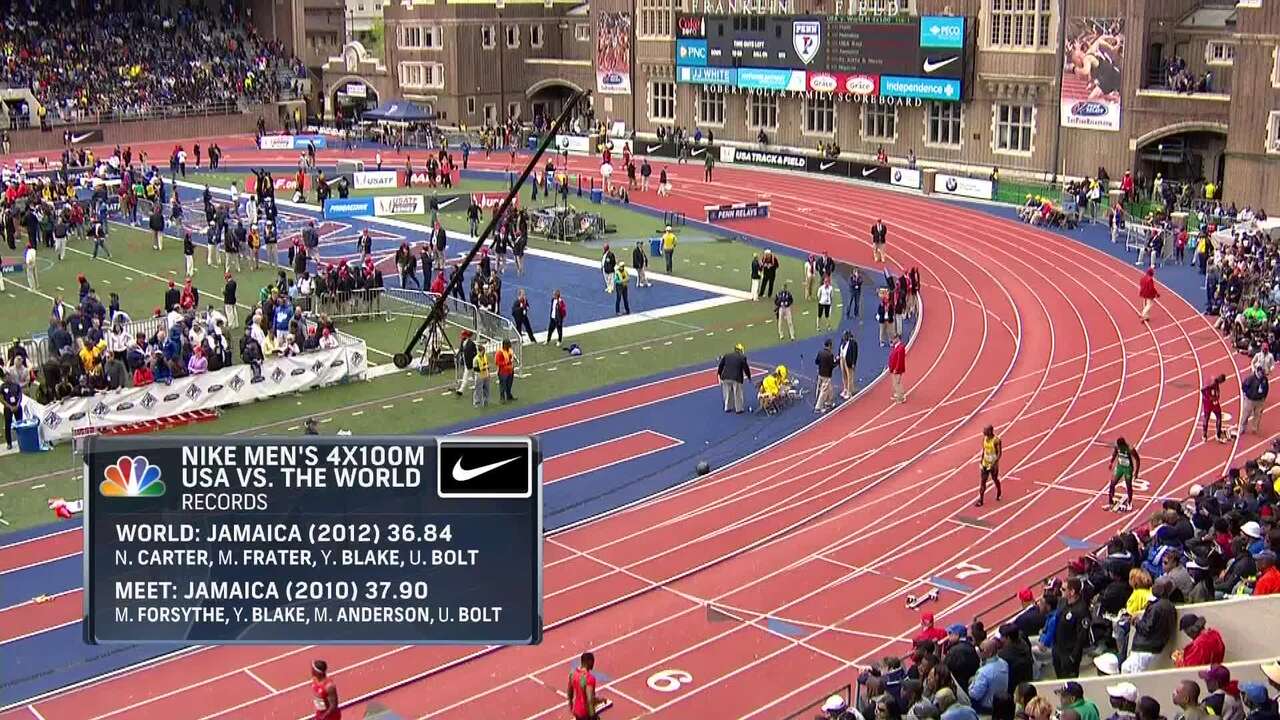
(85, 64)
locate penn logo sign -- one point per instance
(806, 38)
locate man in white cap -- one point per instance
(1107, 664)
(1253, 531)
(1272, 672)
(1124, 701)
(836, 708)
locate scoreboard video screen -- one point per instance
(924, 58)
(311, 540)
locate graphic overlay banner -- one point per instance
(1093, 73)
(313, 540)
(613, 53)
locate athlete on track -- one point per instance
(989, 467)
(324, 694)
(1125, 464)
(1211, 402)
(582, 689)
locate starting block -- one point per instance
(915, 601)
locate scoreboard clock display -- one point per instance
(313, 540)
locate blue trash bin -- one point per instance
(28, 432)
(597, 195)
(655, 247)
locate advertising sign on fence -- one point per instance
(384, 205)
(351, 207)
(963, 186)
(375, 179)
(276, 142)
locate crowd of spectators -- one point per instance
(1118, 607)
(1180, 78)
(81, 60)
(1242, 283)
(92, 344)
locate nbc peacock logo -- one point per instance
(132, 477)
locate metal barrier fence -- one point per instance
(360, 304)
(39, 351)
(488, 325)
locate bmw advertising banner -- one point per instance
(1092, 82)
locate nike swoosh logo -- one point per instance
(931, 66)
(696, 153)
(867, 172)
(461, 474)
(651, 148)
(825, 165)
(80, 138)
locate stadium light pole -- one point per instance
(435, 318)
(1062, 49)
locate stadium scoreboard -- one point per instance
(925, 57)
(313, 540)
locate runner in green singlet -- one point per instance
(1124, 464)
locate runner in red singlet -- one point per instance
(582, 689)
(324, 694)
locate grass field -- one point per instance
(405, 401)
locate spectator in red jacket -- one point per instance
(1206, 647)
(1147, 291)
(1268, 576)
(898, 367)
(928, 632)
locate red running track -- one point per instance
(31, 618)
(829, 530)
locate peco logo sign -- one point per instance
(941, 32)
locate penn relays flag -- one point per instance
(1093, 73)
(613, 53)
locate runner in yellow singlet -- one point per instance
(989, 466)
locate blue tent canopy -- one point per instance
(398, 111)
